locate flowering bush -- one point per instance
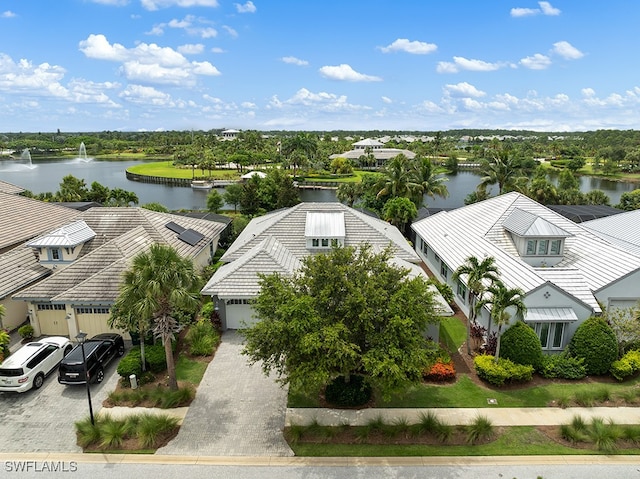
(440, 372)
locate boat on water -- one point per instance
(201, 184)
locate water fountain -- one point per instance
(82, 153)
(18, 164)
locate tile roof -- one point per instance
(288, 226)
(10, 188)
(23, 218)
(18, 269)
(590, 263)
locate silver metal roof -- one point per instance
(526, 224)
(535, 315)
(324, 224)
(622, 230)
(69, 235)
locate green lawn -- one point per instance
(452, 333)
(167, 170)
(190, 370)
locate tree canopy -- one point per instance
(348, 312)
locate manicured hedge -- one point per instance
(502, 372)
(521, 344)
(626, 366)
(595, 341)
(563, 366)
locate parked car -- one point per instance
(99, 352)
(28, 366)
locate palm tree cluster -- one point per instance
(487, 290)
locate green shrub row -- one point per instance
(202, 338)
(155, 359)
(626, 366)
(562, 366)
(501, 372)
(595, 341)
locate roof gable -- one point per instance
(526, 224)
(72, 234)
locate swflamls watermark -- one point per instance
(40, 466)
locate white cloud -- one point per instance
(153, 5)
(217, 50)
(193, 26)
(115, 3)
(414, 47)
(249, 105)
(536, 62)
(588, 92)
(463, 90)
(145, 95)
(8, 14)
(344, 72)
(322, 101)
(230, 31)
(248, 7)
(545, 9)
(461, 63)
(294, 61)
(43, 79)
(524, 12)
(191, 49)
(387, 100)
(147, 62)
(567, 51)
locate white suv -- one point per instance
(28, 366)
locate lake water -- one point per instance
(46, 175)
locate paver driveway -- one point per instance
(237, 410)
(43, 420)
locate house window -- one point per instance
(51, 307)
(438, 260)
(444, 271)
(315, 242)
(55, 254)
(462, 291)
(425, 249)
(325, 243)
(550, 334)
(238, 301)
(555, 247)
(531, 247)
(90, 310)
(543, 246)
(335, 242)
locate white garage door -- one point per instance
(239, 315)
(93, 320)
(53, 321)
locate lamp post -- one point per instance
(81, 338)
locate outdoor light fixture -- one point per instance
(81, 338)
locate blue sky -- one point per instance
(141, 65)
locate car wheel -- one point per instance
(100, 375)
(67, 350)
(38, 381)
(121, 351)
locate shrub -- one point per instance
(131, 363)
(440, 372)
(480, 429)
(521, 345)
(626, 366)
(202, 338)
(26, 331)
(562, 366)
(502, 371)
(595, 341)
(355, 392)
(155, 358)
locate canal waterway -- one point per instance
(45, 175)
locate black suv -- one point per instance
(99, 351)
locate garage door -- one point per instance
(239, 315)
(94, 321)
(53, 321)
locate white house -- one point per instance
(278, 241)
(567, 272)
(375, 148)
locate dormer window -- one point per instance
(63, 245)
(55, 254)
(538, 241)
(324, 230)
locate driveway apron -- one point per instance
(237, 411)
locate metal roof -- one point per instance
(622, 230)
(535, 315)
(72, 234)
(526, 224)
(324, 224)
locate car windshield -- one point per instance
(13, 372)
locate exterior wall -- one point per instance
(15, 313)
(204, 257)
(623, 291)
(66, 256)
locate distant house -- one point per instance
(230, 134)
(376, 149)
(251, 174)
(278, 241)
(565, 269)
(71, 275)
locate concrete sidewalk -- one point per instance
(542, 416)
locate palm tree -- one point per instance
(398, 180)
(477, 273)
(503, 171)
(429, 179)
(501, 299)
(159, 283)
(349, 193)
